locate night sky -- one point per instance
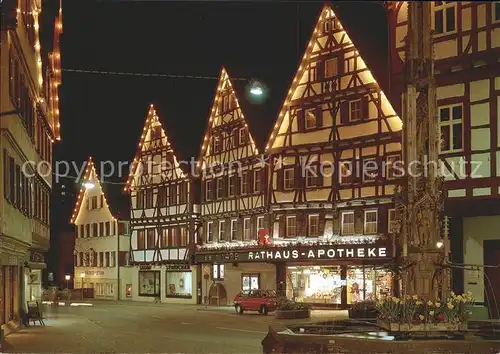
(103, 115)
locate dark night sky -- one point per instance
(103, 115)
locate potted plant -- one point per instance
(363, 309)
(288, 309)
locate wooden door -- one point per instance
(491, 253)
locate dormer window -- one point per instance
(310, 115)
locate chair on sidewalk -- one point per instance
(34, 314)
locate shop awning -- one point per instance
(36, 265)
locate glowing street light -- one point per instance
(89, 185)
(256, 89)
(67, 277)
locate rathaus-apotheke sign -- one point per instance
(321, 253)
(299, 253)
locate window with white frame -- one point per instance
(347, 225)
(113, 258)
(208, 190)
(244, 182)
(234, 230)
(242, 136)
(312, 177)
(313, 225)
(391, 220)
(289, 178)
(222, 225)
(220, 188)
(110, 289)
(445, 15)
(291, 226)
(232, 185)
(370, 222)
(218, 272)
(355, 110)
(100, 289)
(246, 229)
(370, 169)
(257, 180)
(260, 223)
(331, 67)
(451, 124)
(310, 117)
(217, 144)
(210, 231)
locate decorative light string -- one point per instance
(170, 76)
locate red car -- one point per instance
(263, 301)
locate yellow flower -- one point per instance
(421, 317)
(415, 297)
(419, 302)
(431, 313)
(460, 298)
(438, 304)
(430, 303)
(453, 294)
(450, 305)
(395, 299)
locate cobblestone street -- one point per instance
(136, 327)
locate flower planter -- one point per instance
(422, 327)
(292, 314)
(362, 313)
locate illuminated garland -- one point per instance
(223, 78)
(90, 175)
(151, 118)
(326, 12)
(284, 244)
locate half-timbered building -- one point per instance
(233, 208)
(102, 242)
(466, 49)
(333, 154)
(29, 125)
(331, 172)
(164, 220)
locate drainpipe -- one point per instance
(117, 260)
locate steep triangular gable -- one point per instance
(226, 112)
(92, 177)
(321, 43)
(153, 138)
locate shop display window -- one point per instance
(149, 283)
(179, 284)
(367, 284)
(250, 282)
(314, 284)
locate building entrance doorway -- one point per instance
(491, 250)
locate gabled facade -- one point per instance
(466, 47)
(29, 125)
(331, 179)
(233, 178)
(164, 219)
(102, 243)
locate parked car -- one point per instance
(263, 301)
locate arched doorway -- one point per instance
(217, 295)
